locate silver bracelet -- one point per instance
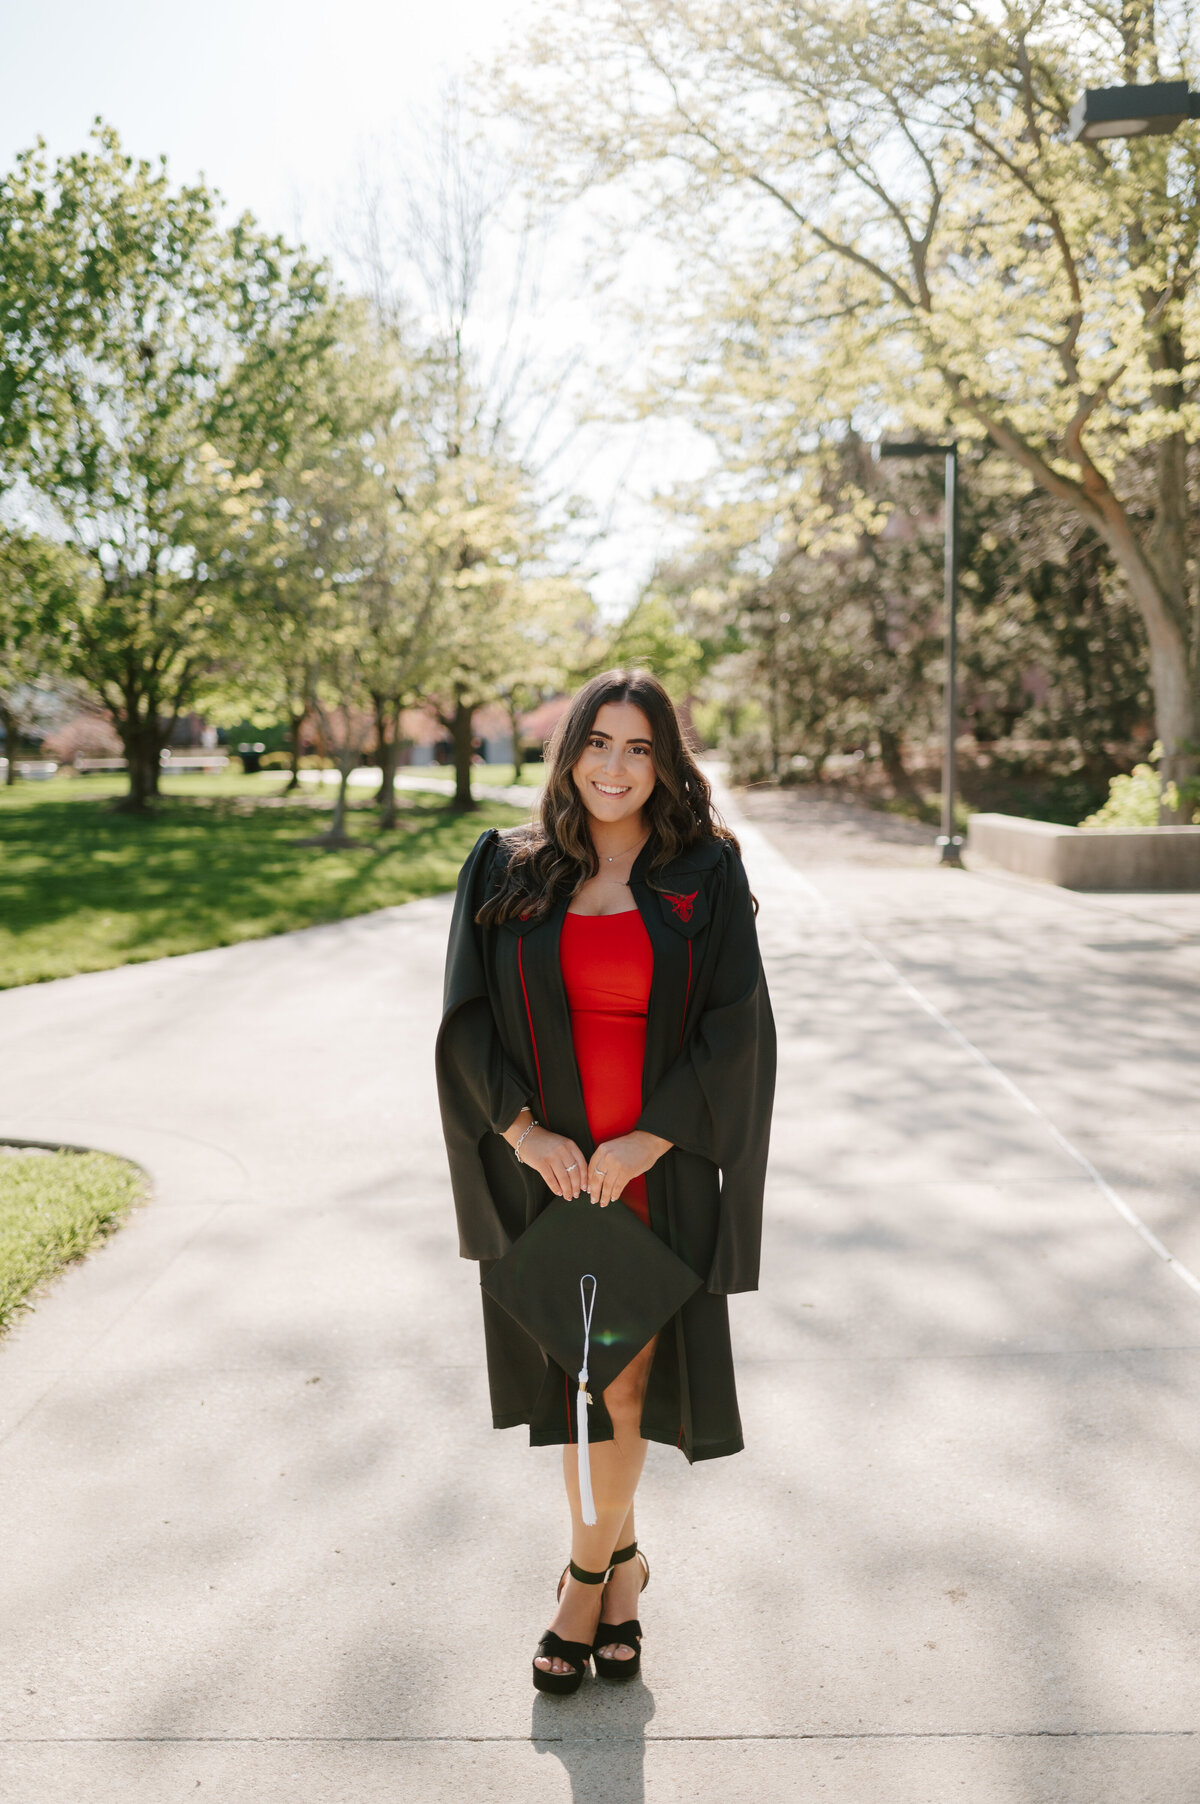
(517, 1146)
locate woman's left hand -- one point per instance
(615, 1162)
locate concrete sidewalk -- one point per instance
(367, 777)
(260, 1544)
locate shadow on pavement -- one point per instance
(600, 1738)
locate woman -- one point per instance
(607, 1030)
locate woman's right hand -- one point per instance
(555, 1157)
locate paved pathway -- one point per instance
(367, 777)
(258, 1543)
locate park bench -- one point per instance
(204, 762)
(34, 770)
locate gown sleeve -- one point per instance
(715, 1099)
(480, 1091)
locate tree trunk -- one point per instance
(461, 734)
(514, 727)
(142, 739)
(295, 728)
(344, 756)
(143, 762)
(337, 835)
(1172, 673)
(10, 745)
(824, 752)
(891, 756)
(387, 733)
(891, 740)
(773, 709)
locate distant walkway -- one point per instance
(260, 1544)
(520, 795)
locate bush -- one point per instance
(283, 761)
(1133, 800)
(749, 755)
(83, 736)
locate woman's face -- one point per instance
(614, 773)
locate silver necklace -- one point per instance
(609, 857)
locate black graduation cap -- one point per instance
(591, 1286)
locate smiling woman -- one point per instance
(607, 1020)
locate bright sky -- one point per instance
(276, 105)
(272, 102)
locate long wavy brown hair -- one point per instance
(554, 855)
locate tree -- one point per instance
(38, 581)
(331, 517)
(900, 222)
(501, 610)
(473, 556)
(398, 609)
(294, 644)
(287, 542)
(401, 548)
(832, 610)
(1053, 647)
(297, 546)
(654, 635)
(138, 336)
(829, 594)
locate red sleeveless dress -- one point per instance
(607, 964)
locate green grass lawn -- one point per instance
(83, 888)
(532, 775)
(53, 1208)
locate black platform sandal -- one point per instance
(553, 1647)
(625, 1634)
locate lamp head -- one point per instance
(917, 447)
(1146, 111)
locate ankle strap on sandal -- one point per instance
(624, 1553)
(588, 1578)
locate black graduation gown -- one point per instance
(708, 1083)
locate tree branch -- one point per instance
(735, 165)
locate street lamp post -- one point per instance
(949, 842)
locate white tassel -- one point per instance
(587, 1504)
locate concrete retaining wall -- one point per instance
(1133, 858)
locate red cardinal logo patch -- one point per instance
(682, 905)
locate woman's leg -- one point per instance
(616, 1469)
(622, 1593)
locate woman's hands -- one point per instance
(563, 1168)
(615, 1162)
(555, 1157)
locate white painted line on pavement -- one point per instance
(1122, 1208)
(777, 867)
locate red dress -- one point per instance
(607, 964)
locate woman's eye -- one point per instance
(601, 745)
